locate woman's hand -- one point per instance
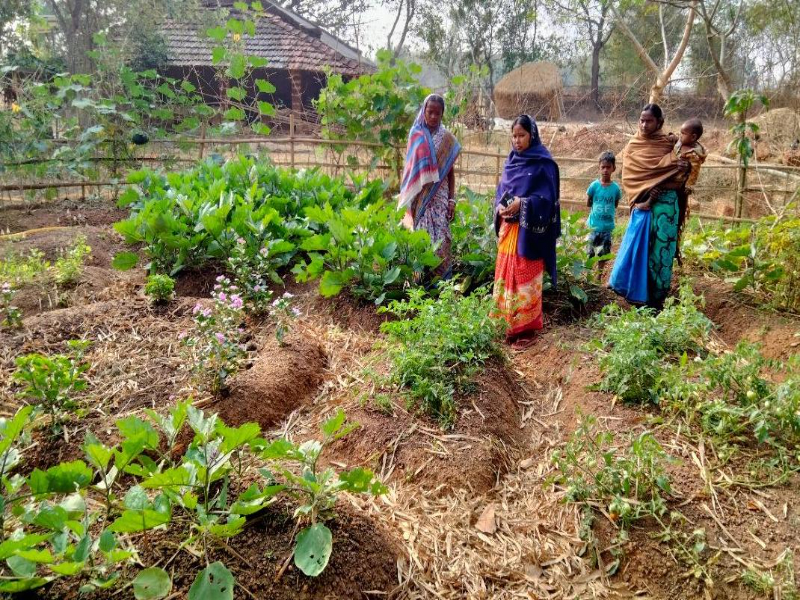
(512, 210)
(451, 210)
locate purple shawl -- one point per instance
(533, 176)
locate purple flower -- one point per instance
(222, 296)
(296, 312)
(288, 295)
(220, 337)
(220, 278)
(236, 301)
(207, 313)
(256, 288)
(197, 308)
(276, 302)
(240, 241)
(182, 335)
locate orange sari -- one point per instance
(517, 285)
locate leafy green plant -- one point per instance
(474, 244)
(49, 382)
(364, 250)
(159, 288)
(315, 489)
(629, 479)
(638, 343)
(738, 105)
(282, 313)
(253, 269)
(11, 315)
(19, 270)
(576, 270)
(439, 346)
(69, 266)
(378, 107)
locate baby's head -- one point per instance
(607, 164)
(691, 131)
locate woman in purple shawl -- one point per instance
(528, 223)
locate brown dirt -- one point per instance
(364, 558)
(281, 379)
(470, 456)
(64, 213)
(778, 334)
(104, 242)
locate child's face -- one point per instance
(520, 138)
(688, 136)
(606, 169)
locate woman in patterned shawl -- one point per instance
(427, 190)
(643, 268)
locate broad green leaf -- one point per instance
(265, 108)
(82, 549)
(14, 427)
(37, 556)
(218, 54)
(257, 62)
(281, 448)
(236, 437)
(53, 518)
(21, 585)
(124, 261)
(215, 582)
(134, 428)
(67, 569)
(226, 530)
(333, 281)
(64, 478)
(237, 66)
(131, 521)
(21, 567)
(234, 114)
(265, 87)
(217, 33)
(136, 499)
(313, 549)
(170, 478)
(108, 541)
(11, 547)
(236, 93)
(362, 481)
(151, 584)
(334, 424)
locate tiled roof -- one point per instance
(284, 45)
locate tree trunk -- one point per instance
(596, 48)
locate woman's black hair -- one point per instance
(436, 98)
(655, 110)
(529, 125)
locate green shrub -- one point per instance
(439, 346)
(10, 315)
(18, 270)
(69, 266)
(637, 344)
(159, 288)
(49, 382)
(474, 245)
(628, 478)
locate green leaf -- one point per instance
(333, 281)
(236, 437)
(37, 556)
(151, 584)
(334, 424)
(257, 62)
(236, 93)
(313, 549)
(64, 478)
(21, 585)
(134, 428)
(11, 547)
(226, 530)
(132, 521)
(265, 108)
(21, 567)
(265, 87)
(67, 569)
(362, 481)
(136, 499)
(234, 114)
(176, 477)
(578, 293)
(237, 66)
(53, 518)
(215, 582)
(218, 54)
(108, 541)
(217, 33)
(14, 428)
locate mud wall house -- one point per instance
(297, 50)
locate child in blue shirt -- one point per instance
(603, 197)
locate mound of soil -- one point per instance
(280, 380)
(104, 242)
(777, 333)
(472, 455)
(364, 559)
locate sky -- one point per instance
(376, 24)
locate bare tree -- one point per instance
(720, 21)
(594, 15)
(662, 74)
(410, 7)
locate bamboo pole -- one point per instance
(291, 138)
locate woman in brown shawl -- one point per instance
(643, 268)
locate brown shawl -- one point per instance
(647, 162)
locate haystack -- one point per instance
(779, 134)
(534, 88)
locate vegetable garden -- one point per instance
(240, 380)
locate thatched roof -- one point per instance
(533, 88)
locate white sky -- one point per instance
(376, 24)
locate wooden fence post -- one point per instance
(202, 141)
(291, 138)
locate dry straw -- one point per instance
(534, 88)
